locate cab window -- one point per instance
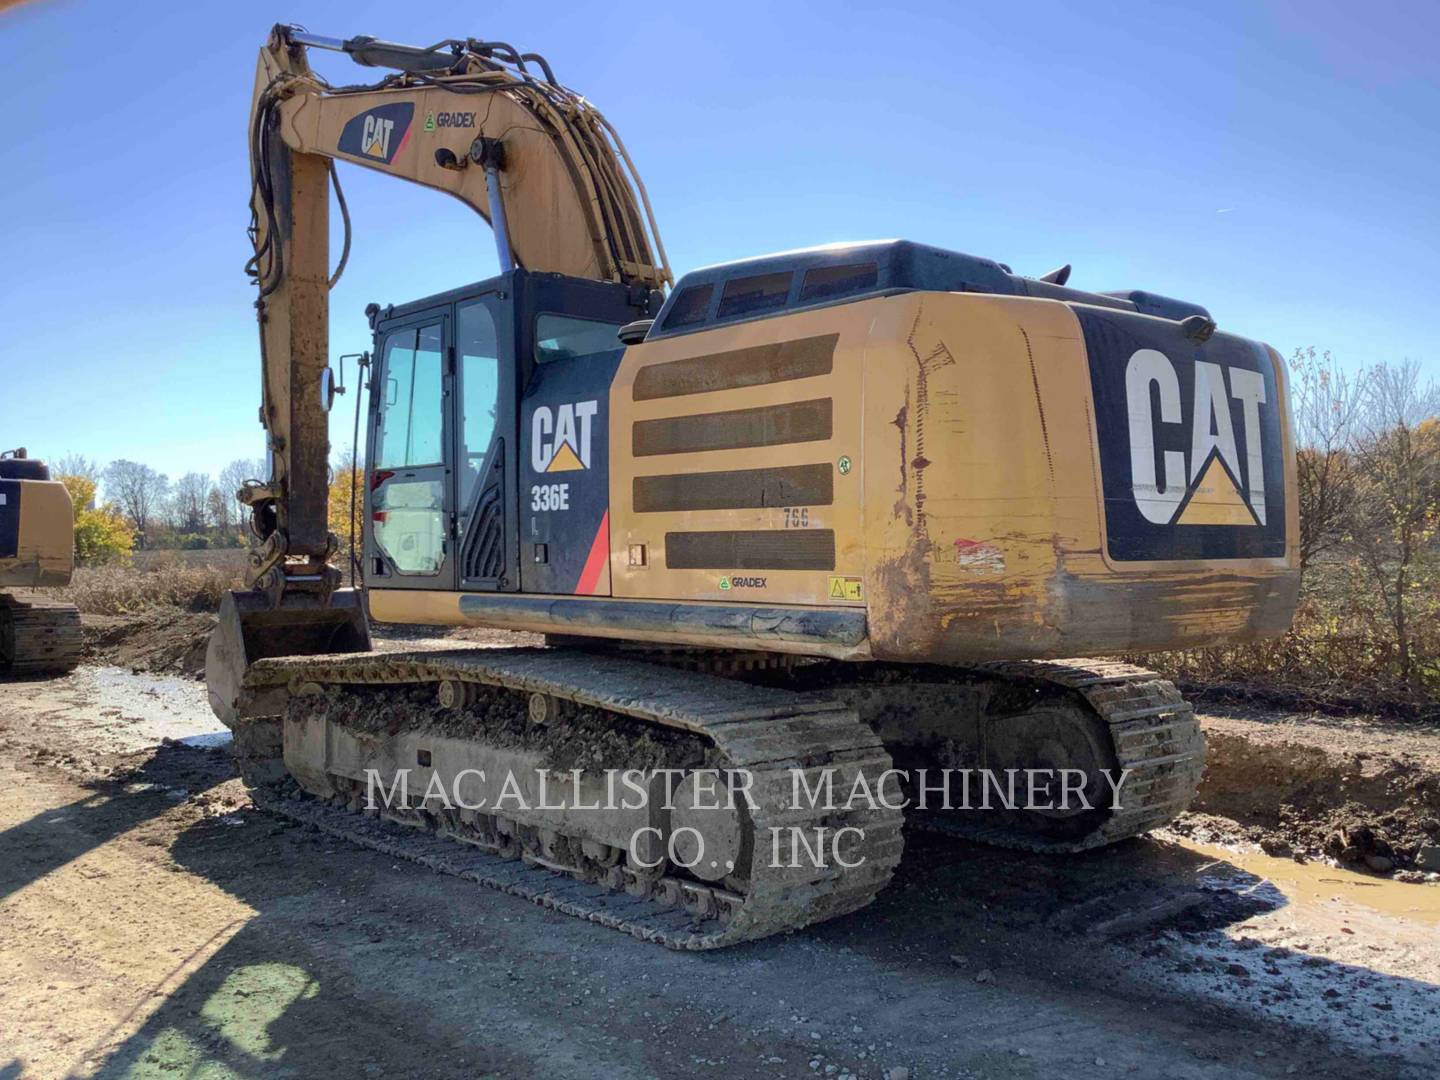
(752, 295)
(690, 307)
(408, 507)
(476, 344)
(411, 418)
(564, 337)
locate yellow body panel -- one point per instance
(843, 387)
(967, 505)
(985, 533)
(45, 551)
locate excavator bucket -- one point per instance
(251, 629)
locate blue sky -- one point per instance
(1274, 161)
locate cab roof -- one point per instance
(840, 273)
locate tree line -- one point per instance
(192, 511)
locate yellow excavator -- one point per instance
(833, 517)
(38, 635)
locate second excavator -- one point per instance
(39, 635)
(836, 515)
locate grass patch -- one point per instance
(127, 588)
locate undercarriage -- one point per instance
(38, 636)
(699, 799)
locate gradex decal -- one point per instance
(379, 133)
(560, 437)
(1222, 479)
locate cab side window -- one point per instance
(411, 417)
(408, 518)
(479, 354)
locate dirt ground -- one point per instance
(1361, 791)
(153, 923)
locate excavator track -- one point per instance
(38, 636)
(1155, 736)
(767, 732)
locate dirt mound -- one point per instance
(163, 641)
(1376, 811)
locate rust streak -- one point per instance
(1039, 404)
(938, 357)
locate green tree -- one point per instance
(347, 491)
(101, 533)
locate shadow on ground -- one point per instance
(357, 966)
(117, 804)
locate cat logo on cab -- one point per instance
(560, 436)
(560, 442)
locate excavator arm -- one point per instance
(479, 120)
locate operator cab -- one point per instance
(488, 463)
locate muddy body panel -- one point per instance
(972, 478)
(1014, 478)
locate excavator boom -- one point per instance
(479, 120)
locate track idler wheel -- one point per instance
(1063, 742)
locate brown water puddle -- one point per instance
(1316, 882)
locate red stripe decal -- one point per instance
(596, 560)
(403, 140)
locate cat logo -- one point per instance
(1191, 441)
(560, 436)
(378, 134)
(1220, 480)
(376, 139)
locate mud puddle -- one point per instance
(1303, 884)
(111, 710)
(1370, 800)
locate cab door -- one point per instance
(411, 489)
(484, 443)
